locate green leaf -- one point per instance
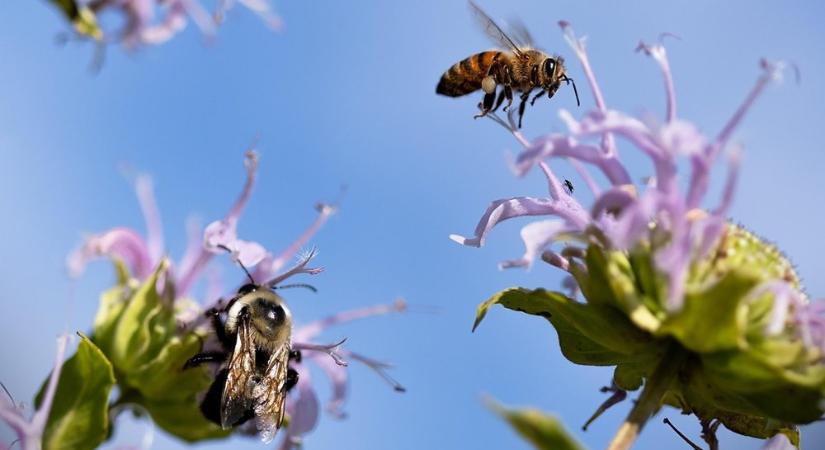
(713, 319)
(543, 431)
(588, 333)
(79, 416)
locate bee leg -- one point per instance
(214, 315)
(501, 96)
(521, 106)
(508, 92)
(203, 358)
(533, 102)
(486, 105)
(291, 379)
(295, 355)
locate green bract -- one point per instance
(136, 344)
(729, 368)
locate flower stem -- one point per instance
(649, 402)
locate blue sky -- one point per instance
(345, 95)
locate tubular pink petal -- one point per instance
(771, 72)
(536, 237)
(713, 227)
(311, 330)
(553, 185)
(657, 51)
(332, 350)
(251, 165)
(122, 243)
(778, 442)
(194, 245)
(199, 15)
(151, 215)
(588, 180)
(698, 180)
(380, 368)
(578, 46)
(173, 23)
(501, 210)
(633, 222)
(730, 184)
(338, 377)
(325, 211)
(556, 260)
(571, 285)
(12, 417)
(298, 268)
(612, 201)
(784, 296)
(303, 409)
(38, 422)
(263, 9)
(222, 234)
(510, 126)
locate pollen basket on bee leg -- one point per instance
(488, 84)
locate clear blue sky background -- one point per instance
(346, 95)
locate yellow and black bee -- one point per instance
(254, 329)
(520, 68)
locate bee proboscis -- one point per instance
(520, 68)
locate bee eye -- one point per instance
(247, 288)
(549, 67)
(272, 313)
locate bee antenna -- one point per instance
(7, 393)
(297, 285)
(246, 271)
(575, 91)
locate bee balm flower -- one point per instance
(710, 318)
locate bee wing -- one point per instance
(492, 30)
(521, 35)
(270, 395)
(237, 399)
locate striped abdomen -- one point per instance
(465, 77)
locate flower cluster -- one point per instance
(652, 259)
(148, 324)
(151, 22)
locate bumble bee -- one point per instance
(520, 68)
(255, 376)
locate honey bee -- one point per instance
(521, 68)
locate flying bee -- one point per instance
(254, 328)
(520, 68)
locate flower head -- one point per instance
(150, 22)
(665, 262)
(157, 294)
